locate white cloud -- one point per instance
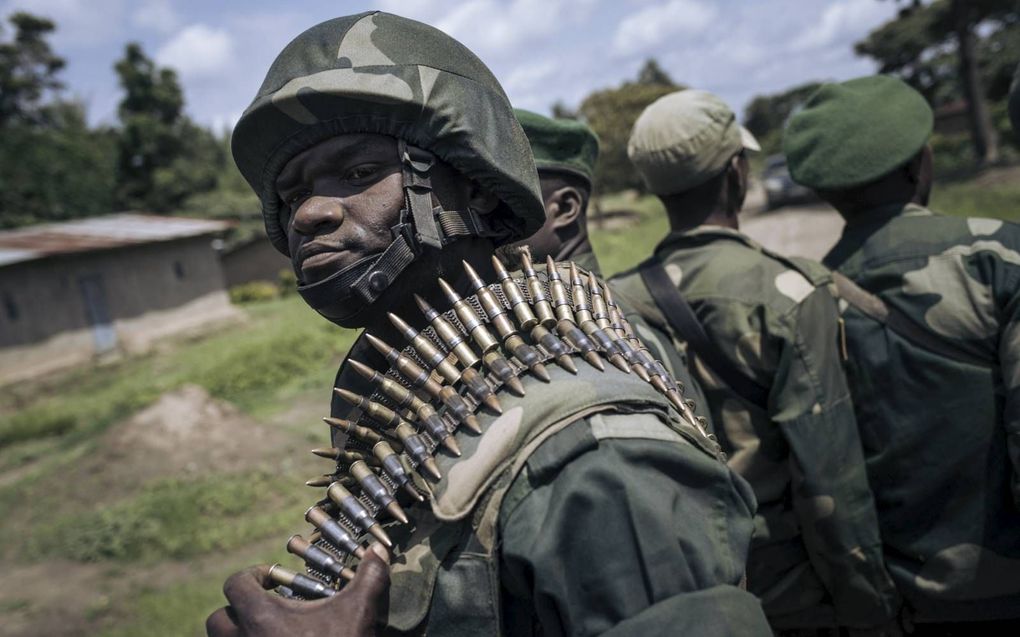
(530, 76)
(197, 51)
(846, 19)
(652, 25)
(156, 15)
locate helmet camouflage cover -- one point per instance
(379, 73)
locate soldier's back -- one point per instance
(940, 430)
(774, 320)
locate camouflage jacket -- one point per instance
(588, 507)
(941, 437)
(816, 555)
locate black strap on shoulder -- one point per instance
(685, 323)
(876, 309)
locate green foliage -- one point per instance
(254, 292)
(171, 519)
(766, 115)
(611, 113)
(620, 248)
(56, 172)
(28, 70)
(163, 157)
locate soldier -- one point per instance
(762, 332)
(565, 154)
(390, 165)
(933, 331)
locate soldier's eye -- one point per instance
(362, 172)
(295, 199)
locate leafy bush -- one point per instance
(254, 292)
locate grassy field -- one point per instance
(120, 520)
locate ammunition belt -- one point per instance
(438, 382)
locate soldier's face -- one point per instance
(341, 198)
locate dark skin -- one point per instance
(565, 232)
(342, 197)
(910, 183)
(717, 202)
(255, 611)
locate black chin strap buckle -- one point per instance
(416, 165)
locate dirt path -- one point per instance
(803, 231)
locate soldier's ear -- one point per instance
(567, 204)
(481, 200)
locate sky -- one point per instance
(542, 51)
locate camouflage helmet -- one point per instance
(379, 73)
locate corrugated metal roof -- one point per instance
(99, 233)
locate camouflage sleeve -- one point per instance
(832, 501)
(1009, 356)
(626, 537)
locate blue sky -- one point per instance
(542, 50)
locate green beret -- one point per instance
(563, 145)
(1014, 102)
(854, 132)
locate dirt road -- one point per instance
(803, 231)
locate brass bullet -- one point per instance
(539, 300)
(354, 430)
(449, 334)
(418, 451)
(469, 319)
(340, 455)
(492, 307)
(582, 312)
(300, 584)
(427, 350)
(321, 481)
(375, 489)
(515, 296)
(376, 411)
(571, 332)
(358, 513)
(527, 355)
(599, 309)
(333, 532)
(420, 378)
(317, 558)
(392, 467)
(501, 367)
(562, 306)
(478, 388)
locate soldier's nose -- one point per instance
(318, 215)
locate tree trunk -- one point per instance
(983, 134)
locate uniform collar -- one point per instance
(703, 234)
(863, 225)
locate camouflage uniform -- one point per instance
(941, 436)
(593, 504)
(816, 557)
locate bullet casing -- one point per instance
(333, 532)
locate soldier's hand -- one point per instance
(255, 611)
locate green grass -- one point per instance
(622, 248)
(180, 609)
(975, 199)
(176, 519)
(283, 346)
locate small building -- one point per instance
(72, 291)
(253, 260)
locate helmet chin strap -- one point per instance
(344, 296)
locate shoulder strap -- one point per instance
(876, 309)
(681, 317)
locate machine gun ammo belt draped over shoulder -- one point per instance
(443, 379)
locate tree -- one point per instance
(765, 116)
(611, 113)
(939, 49)
(52, 166)
(163, 157)
(28, 69)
